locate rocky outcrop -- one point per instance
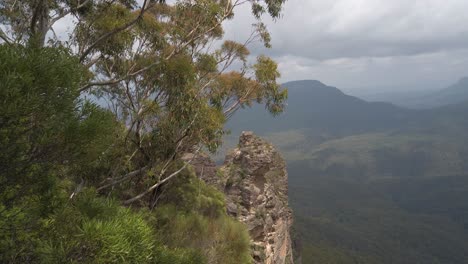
(255, 182)
(205, 168)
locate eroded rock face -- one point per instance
(255, 182)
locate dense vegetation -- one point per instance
(51, 138)
(371, 182)
(82, 183)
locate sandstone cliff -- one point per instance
(255, 182)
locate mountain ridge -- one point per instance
(333, 111)
(454, 93)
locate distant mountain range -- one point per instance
(372, 182)
(456, 93)
(326, 111)
(312, 104)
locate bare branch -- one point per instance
(89, 85)
(166, 166)
(124, 178)
(159, 183)
(4, 37)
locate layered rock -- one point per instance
(255, 182)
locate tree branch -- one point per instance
(160, 182)
(124, 178)
(4, 37)
(64, 14)
(141, 195)
(144, 8)
(89, 85)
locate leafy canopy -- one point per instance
(169, 82)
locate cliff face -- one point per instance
(255, 182)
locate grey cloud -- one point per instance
(424, 71)
(362, 43)
(357, 43)
(322, 29)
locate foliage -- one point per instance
(90, 229)
(153, 63)
(95, 230)
(50, 138)
(168, 93)
(188, 193)
(192, 214)
(43, 127)
(35, 100)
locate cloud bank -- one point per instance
(419, 44)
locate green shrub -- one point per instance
(189, 194)
(221, 239)
(49, 138)
(38, 95)
(98, 230)
(192, 214)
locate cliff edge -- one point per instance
(255, 182)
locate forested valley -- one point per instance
(372, 182)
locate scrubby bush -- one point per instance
(192, 214)
(91, 229)
(38, 92)
(49, 138)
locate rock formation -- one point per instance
(255, 182)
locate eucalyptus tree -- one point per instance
(165, 69)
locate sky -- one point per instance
(356, 45)
(363, 45)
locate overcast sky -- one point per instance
(357, 44)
